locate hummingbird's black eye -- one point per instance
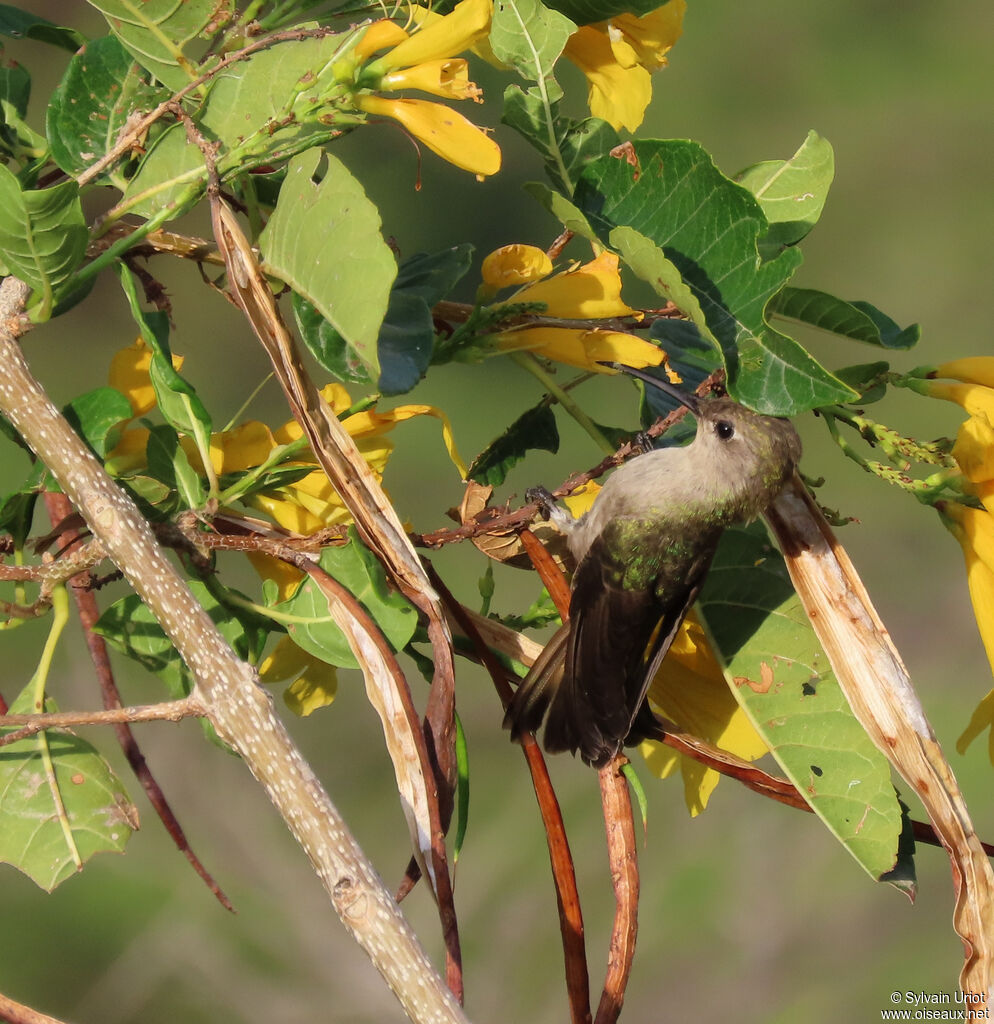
(724, 430)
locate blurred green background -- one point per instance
(751, 911)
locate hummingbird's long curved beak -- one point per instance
(690, 401)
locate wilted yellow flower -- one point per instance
(616, 57)
(512, 266)
(588, 292)
(690, 689)
(444, 131)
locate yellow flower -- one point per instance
(690, 689)
(464, 26)
(588, 292)
(974, 529)
(444, 131)
(314, 684)
(448, 78)
(616, 57)
(426, 60)
(512, 266)
(129, 374)
(972, 369)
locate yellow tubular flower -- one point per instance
(378, 36)
(442, 130)
(974, 449)
(616, 57)
(588, 292)
(467, 23)
(448, 78)
(974, 529)
(315, 682)
(975, 398)
(971, 370)
(649, 37)
(616, 94)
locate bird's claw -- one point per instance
(542, 497)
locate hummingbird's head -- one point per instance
(747, 455)
(742, 458)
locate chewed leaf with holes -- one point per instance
(58, 806)
(782, 679)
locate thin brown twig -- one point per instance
(17, 1013)
(165, 711)
(60, 511)
(127, 140)
(619, 827)
(563, 873)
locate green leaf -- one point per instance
(562, 209)
(529, 37)
(792, 192)
(535, 429)
(586, 12)
(349, 280)
(462, 790)
(358, 569)
(707, 228)
(159, 33)
(100, 816)
(132, 629)
(91, 105)
(168, 462)
(96, 417)
(566, 146)
(406, 341)
(866, 379)
(43, 236)
(857, 320)
(261, 110)
(20, 24)
(177, 400)
(782, 678)
(17, 514)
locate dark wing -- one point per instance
(539, 687)
(618, 637)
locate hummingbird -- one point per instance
(642, 553)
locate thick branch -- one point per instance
(240, 710)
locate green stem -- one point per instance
(535, 368)
(60, 616)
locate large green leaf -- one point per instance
(792, 192)
(707, 228)
(101, 87)
(19, 24)
(99, 817)
(345, 269)
(857, 320)
(358, 569)
(782, 678)
(43, 236)
(529, 37)
(159, 33)
(534, 429)
(265, 108)
(405, 344)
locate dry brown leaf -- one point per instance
(877, 686)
